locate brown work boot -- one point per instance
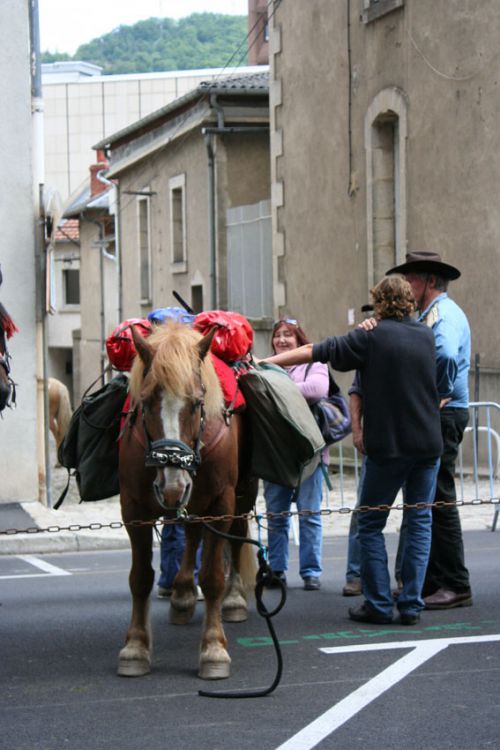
(446, 599)
(353, 588)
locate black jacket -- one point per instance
(397, 365)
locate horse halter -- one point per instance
(167, 452)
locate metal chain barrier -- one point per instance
(250, 516)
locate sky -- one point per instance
(65, 24)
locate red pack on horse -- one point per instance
(179, 454)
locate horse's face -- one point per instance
(173, 423)
(173, 428)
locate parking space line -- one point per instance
(332, 719)
(47, 568)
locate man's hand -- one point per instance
(357, 439)
(444, 401)
(368, 325)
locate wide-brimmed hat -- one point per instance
(423, 262)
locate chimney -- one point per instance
(96, 186)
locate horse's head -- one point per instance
(171, 378)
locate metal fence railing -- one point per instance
(478, 465)
(484, 452)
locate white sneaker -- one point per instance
(199, 594)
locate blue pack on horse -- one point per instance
(179, 450)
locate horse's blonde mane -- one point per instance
(175, 366)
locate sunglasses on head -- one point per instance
(290, 321)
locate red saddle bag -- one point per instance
(234, 337)
(120, 344)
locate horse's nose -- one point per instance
(171, 488)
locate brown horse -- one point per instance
(179, 453)
(59, 409)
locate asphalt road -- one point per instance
(63, 620)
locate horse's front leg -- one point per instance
(214, 663)
(135, 657)
(185, 594)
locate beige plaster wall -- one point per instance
(242, 176)
(92, 300)
(187, 156)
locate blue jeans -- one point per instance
(279, 500)
(382, 482)
(353, 570)
(173, 539)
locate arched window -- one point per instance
(385, 142)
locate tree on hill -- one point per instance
(201, 40)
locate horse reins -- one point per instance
(265, 576)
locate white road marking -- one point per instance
(332, 719)
(49, 570)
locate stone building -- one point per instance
(193, 181)
(384, 137)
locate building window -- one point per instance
(385, 141)
(178, 245)
(249, 260)
(197, 298)
(144, 241)
(376, 8)
(71, 286)
(385, 191)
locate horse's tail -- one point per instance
(248, 563)
(64, 412)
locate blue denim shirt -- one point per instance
(452, 334)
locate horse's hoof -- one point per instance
(234, 607)
(210, 670)
(133, 662)
(215, 663)
(182, 607)
(235, 614)
(181, 616)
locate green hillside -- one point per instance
(201, 40)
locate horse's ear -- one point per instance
(142, 347)
(206, 342)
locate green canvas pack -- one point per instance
(90, 446)
(286, 442)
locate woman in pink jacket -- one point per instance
(312, 381)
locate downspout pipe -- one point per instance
(102, 327)
(41, 345)
(212, 240)
(209, 139)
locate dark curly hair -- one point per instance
(393, 298)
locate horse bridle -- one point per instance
(167, 452)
